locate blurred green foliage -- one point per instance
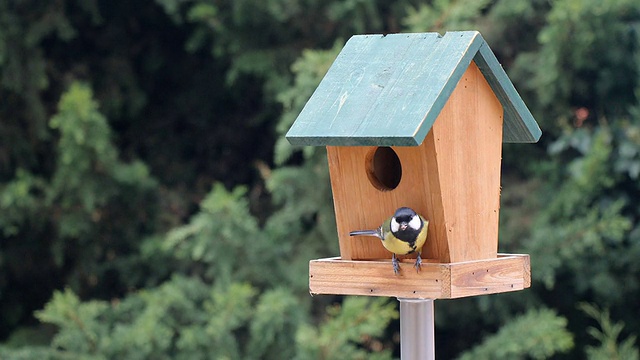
(607, 333)
(151, 208)
(541, 334)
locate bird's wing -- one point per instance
(424, 221)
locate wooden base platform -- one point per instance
(507, 272)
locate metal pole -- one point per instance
(417, 330)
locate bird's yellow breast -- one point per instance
(400, 247)
(397, 246)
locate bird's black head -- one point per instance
(406, 224)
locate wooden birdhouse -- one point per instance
(417, 120)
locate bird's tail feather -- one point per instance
(365, 232)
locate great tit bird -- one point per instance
(403, 233)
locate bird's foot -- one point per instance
(396, 264)
(418, 263)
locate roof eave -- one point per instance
(519, 124)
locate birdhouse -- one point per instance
(417, 120)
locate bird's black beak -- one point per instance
(404, 226)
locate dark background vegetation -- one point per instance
(150, 207)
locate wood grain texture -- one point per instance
(477, 278)
(453, 179)
(507, 272)
(467, 139)
(360, 205)
(388, 91)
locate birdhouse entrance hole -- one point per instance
(383, 168)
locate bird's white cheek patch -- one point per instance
(394, 225)
(415, 222)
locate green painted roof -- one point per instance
(388, 90)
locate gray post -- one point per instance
(417, 330)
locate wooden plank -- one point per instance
(360, 205)
(527, 271)
(468, 143)
(490, 277)
(507, 272)
(376, 278)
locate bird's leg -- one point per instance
(396, 265)
(418, 262)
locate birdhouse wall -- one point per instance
(452, 178)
